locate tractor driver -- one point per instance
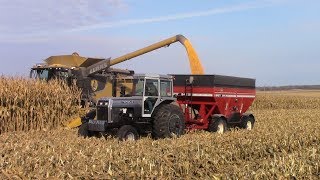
(150, 90)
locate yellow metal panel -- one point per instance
(65, 61)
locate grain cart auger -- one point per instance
(95, 76)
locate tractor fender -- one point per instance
(163, 101)
(244, 115)
(218, 116)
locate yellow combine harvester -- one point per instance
(95, 76)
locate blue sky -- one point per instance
(275, 41)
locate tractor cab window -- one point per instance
(138, 87)
(150, 95)
(151, 88)
(165, 88)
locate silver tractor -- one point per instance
(150, 108)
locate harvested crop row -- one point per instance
(284, 144)
(27, 104)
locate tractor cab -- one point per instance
(147, 108)
(154, 89)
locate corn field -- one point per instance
(27, 104)
(271, 101)
(284, 144)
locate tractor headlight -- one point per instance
(124, 110)
(103, 103)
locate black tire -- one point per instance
(127, 132)
(218, 124)
(83, 130)
(168, 121)
(247, 122)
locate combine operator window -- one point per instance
(39, 74)
(51, 73)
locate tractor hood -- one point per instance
(121, 101)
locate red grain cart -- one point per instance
(215, 102)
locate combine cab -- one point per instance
(73, 69)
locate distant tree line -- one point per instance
(277, 88)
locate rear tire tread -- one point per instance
(214, 124)
(161, 123)
(245, 121)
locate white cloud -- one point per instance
(38, 20)
(174, 17)
(36, 16)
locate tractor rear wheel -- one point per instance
(127, 133)
(247, 122)
(168, 121)
(218, 125)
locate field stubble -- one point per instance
(285, 143)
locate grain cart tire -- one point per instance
(218, 125)
(127, 133)
(168, 121)
(247, 122)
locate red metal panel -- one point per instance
(208, 101)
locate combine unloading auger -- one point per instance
(194, 61)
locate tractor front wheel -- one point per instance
(127, 133)
(83, 130)
(168, 121)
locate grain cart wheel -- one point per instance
(218, 125)
(127, 132)
(168, 121)
(247, 122)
